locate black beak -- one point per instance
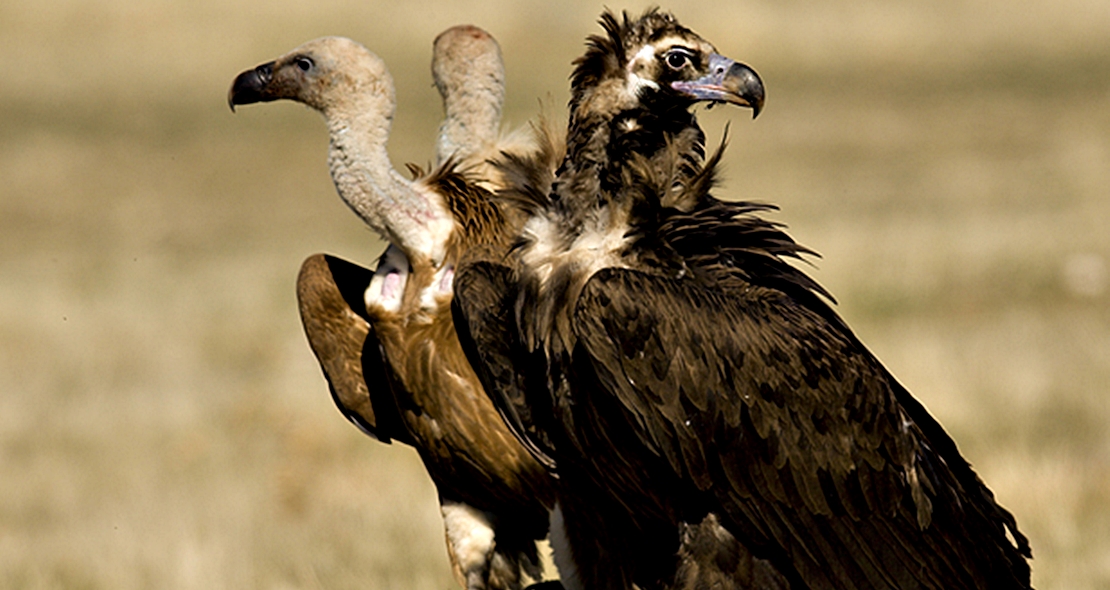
(251, 86)
(727, 81)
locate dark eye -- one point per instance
(677, 59)
(304, 63)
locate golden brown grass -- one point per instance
(164, 425)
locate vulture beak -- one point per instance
(727, 81)
(252, 86)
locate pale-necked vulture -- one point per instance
(386, 340)
(712, 421)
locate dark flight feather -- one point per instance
(484, 309)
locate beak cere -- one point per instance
(251, 86)
(727, 81)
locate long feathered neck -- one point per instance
(403, 212)
(604, 151)
(612, 128)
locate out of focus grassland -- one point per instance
(164, 425)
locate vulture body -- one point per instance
(385, 339)
(712, 421)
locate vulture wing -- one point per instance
(789, 426)
(485, 320)
(330, 295)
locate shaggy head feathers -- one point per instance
(634, 55)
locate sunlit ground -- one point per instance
(164, 425)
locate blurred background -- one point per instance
(163, 423)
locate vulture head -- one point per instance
(654, 61)
(324, 74)
(351, 87)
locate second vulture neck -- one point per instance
(472, 109)
(403, 212)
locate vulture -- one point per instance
(712, 421)
(385, 339)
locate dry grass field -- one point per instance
(163, 423)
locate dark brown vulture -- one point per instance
(385, 339)
(712, 421)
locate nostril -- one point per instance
(265, 71)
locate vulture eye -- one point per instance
(677, 58)
(304, 63)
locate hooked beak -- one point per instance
(728, 81)
(252, 86)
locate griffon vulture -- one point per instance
(385, 340)
(712, 421)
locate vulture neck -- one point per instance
(593, 210)
(470, 75)
(602, 149)
(472, 110)
(405, 213)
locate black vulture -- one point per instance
(711, 419)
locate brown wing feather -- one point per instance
(329, 294)
(791, 426)
(483, 313)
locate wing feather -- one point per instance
(361, 381)
(794, 428)
(483, 312)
